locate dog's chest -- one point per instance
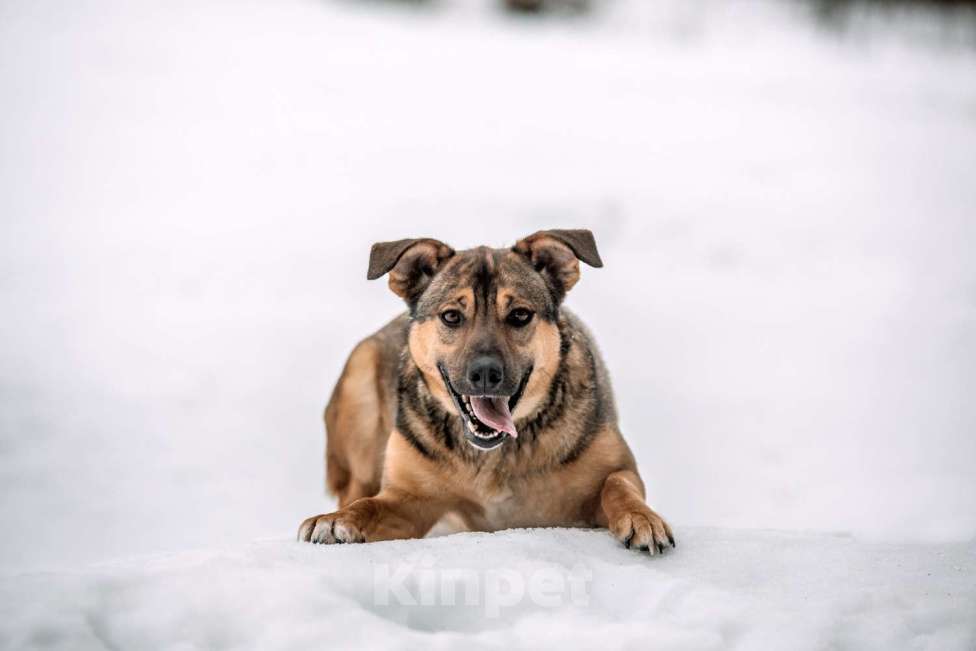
(521, 506)
(500, 508)
(496, 501)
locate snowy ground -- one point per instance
(188, 191)
(720, 589)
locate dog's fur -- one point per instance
(399, 455)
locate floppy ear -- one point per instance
(411, 264)
(556, 254)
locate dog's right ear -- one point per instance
(556, 254)
(411, 263)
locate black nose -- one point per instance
(486, 373)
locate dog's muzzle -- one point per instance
(486, 419)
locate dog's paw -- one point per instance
(331, 528)
(643, 529)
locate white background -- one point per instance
(188, 192)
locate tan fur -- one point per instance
(544, 348)
(570, 465)
(359, 416)
(423, 350)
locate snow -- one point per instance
(188, 192)
(721, 588)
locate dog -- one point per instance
(485, 406)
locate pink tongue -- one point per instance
(494, 413)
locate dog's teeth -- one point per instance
(481, 435)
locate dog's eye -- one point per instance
(519, 317)
(452, 318)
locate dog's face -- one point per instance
(484, 321)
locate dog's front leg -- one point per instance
(629, 518)
(392, 514)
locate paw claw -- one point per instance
(643, 529)
(330, 529)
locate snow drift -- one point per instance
(720, 589)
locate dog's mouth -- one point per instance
(486, 420)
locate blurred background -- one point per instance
(784, 193)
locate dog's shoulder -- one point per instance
(588, 364)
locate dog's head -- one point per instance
(483, 328)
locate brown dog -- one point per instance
(485, 407)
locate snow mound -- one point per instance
(535, 589)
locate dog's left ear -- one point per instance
(411, 263)
(556, 255)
